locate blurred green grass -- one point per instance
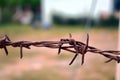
(16, 29)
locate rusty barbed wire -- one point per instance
(69, 44)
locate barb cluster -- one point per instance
(70, 45)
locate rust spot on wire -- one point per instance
(73, 46)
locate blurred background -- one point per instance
(39, 20)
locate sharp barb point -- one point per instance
(82, 59)
(108, 61)
(21, 53)
(6, 51)
(73, 59)
(59, 51)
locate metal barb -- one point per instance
(60, 45)
(6, 51)
(84, 51)
(73, 59)
(21, 51)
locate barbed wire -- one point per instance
(69, 44)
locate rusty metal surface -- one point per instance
(69, 44)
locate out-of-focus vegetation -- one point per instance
(7, 8)
(13, 3)
(111, 21)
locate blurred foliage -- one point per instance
(13, 3)
(2, 3)
(109, 22)
(58, 19)
(6, 15)
(8, 7)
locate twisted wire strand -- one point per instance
(72, 46)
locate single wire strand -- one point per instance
(73, 46)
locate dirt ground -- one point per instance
(44, 58)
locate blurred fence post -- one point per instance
(118, 65)
(91, 13)
(46, 14)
